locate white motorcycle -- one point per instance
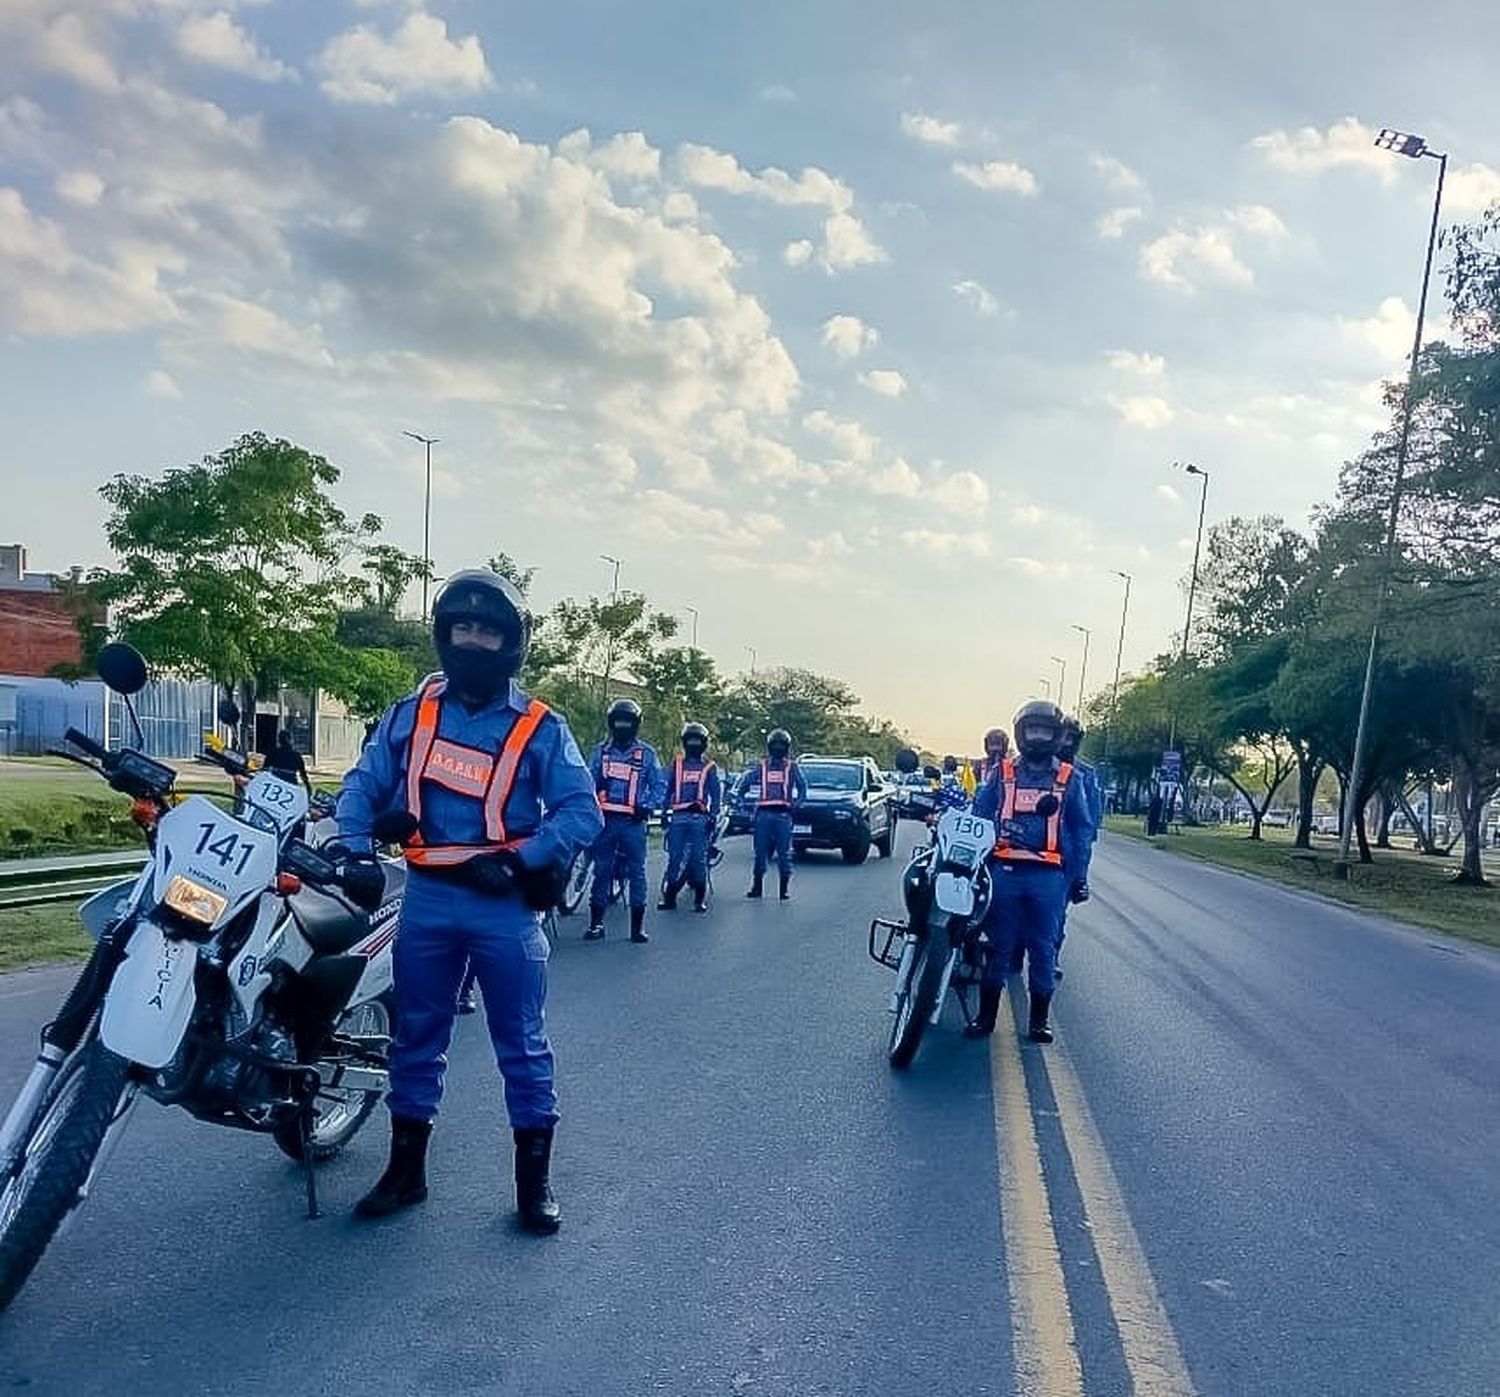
(229, 978)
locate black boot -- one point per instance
(755, 885)
(786, 886)
(534, 1201)
(700, 897)
(596, 925)
(638, 926)
(404, 1182)
(1039, 1032)
(669, 893)
(989, 1007)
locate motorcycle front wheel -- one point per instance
(918, 1000)
(48, 1179)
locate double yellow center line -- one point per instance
(1043, 1334)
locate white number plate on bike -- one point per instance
(281, 801)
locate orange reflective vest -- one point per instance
(620, 770)
(466, 770)
(682, 778)
(775, 786)
(1015, 802)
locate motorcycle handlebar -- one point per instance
(85, 743)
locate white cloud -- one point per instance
(847, 437)
(1389, 331)
(708, 168)
(81, 187)
(1034, 567)
(1028, 515)
(898, 479)
(947, 543)
(362, 65)
(776, 92)
(848, 336)
(665, 515)
(1311, 151)
(887, 382)
(847, 244)
(1259, 220)
(1168, 493)
(829, 546)
(680, 207)
(620, 468)
(1116, 174)
(159, 384)
(69, 46)
(798, 254)
(1113, 225)
(1001, 175)
(977, 296)
(1208, 250)
(1471, 189)
(1128, 361)
(216, 40)
(931, 130)
(627, 156)
(1146, 411)
(963, 492)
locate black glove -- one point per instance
(364, 880)
(496, 874)
(540, 888)
(1079, 892)
(642, 814)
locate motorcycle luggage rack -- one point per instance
(884, 935)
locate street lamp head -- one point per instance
(1191, 469)
(1082, 629)
(417, 436)
(1413, 147)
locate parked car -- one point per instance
(848, 808)
(1326, 823)
(1278, 819)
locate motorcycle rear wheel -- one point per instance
(918, 1001)
(577, 886)
(49, 1179)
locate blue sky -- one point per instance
(872, 331)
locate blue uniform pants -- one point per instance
(773, 836)
(621, 846)
(687, 851)
(1026, 913)
(446, 928)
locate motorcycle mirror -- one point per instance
(121, 667)
(229, 712)
(1047, 806)
(907, 761)
(395, 826)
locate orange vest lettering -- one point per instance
(617, 773)
(775, 786)
(684, 778)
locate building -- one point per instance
(37, 630)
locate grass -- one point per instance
(49, 808)
(41, 936)
(1401, 884)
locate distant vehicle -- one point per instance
(848, 808)
(1278, 819)
(1326, 823)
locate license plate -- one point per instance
(801, 829)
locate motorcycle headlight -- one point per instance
(193, 902)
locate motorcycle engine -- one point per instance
(234, 1084)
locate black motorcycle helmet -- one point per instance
(950, 766)
(624, 720)
(1071, 738)
(1038, 730)
(998, 739)
(477, 594)
(779, 742)
(694, 739)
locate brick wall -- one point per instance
(36, 632)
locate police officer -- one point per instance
(996, 745)
(694, 792)
(1040, 862)
(951, 793)
(782, 790)
(629, 782)
(500, 800)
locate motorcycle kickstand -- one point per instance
(310, 1174)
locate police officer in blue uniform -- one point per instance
(630, 785)
(781, 790)
(1072, 739)
(499, 800)
(1039, 864)
(690, 813)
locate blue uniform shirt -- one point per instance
(652, 785)
(752, 778)
(1076, 834)
(711, 791)
(1094, 796)
(551, 806)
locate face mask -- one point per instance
(476, 674)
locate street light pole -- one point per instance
(1187, 625)
(1046, 686)
(429, 443)
(1114, 702)
(1414, 148)
(694, 612)
(1083, 667)
(751, 649)
(614, 589)
(1062, 679)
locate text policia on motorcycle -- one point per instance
(499, 800)
(1040, 862)
(629, 785)
(781, 791)
(689, 816)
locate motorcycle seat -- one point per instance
(329, 926)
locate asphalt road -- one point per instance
(1261, 1158)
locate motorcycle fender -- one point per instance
(150, 1000)
(954, 895)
